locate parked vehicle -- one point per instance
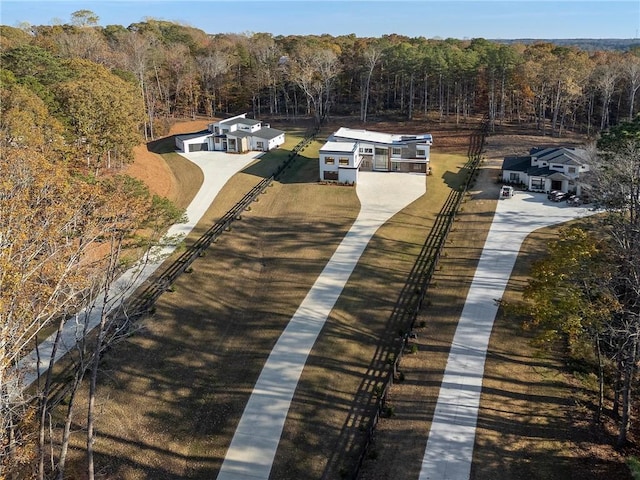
(556, 196)
(506, 192)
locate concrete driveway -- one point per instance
(254, 444)
(449, 449)
(218, 168)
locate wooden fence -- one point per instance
(415, 290)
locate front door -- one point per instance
(381, 159)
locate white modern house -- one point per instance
(235, 135)
(349, 150)
(546, 169)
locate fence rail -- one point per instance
(143, 302)
(415, 291)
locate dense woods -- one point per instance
(76, 98)
(180, 71)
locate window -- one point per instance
(572, 169)
(421, 153)
(418, 167)
(367, 150)
(260, 145)
(344, 161)
(396, 151)
(329, 161)
(514, 177)
(537, 184)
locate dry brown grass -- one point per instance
(172, 395)
(533, 422)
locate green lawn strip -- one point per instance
(177, 388)
(322, 434)
(401, 439)
(534, 422)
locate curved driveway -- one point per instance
(218, 168)
(449, 449)
(254, 444)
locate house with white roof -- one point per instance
(546, 169)
(236, 135)
(349, 150)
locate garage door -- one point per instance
(198, 147)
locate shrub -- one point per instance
(634, 467)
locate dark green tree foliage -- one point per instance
(31, 61)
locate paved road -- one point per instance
(218, 168)
(254, 444)
(449, 449)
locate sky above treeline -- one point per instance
(461, 19)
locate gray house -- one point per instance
(546, 169)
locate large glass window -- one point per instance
(537, 183)
(329, 160)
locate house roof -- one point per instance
(518, 164)
(379, 137)
(339, 147)
(561, 155)
(191, 136)
(558, 176)
(249, 121)
(267, 133)
(239, 134)
(556, 156)
(232, 120)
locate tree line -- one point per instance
(77, 97)
(182, 71)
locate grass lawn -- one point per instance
(172, 394)
(534, 421)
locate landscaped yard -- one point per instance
(172, 394)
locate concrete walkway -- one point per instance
(449, 449)
(218, 168)
(254, 444)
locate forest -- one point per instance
(182, 71)
(77, 97)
